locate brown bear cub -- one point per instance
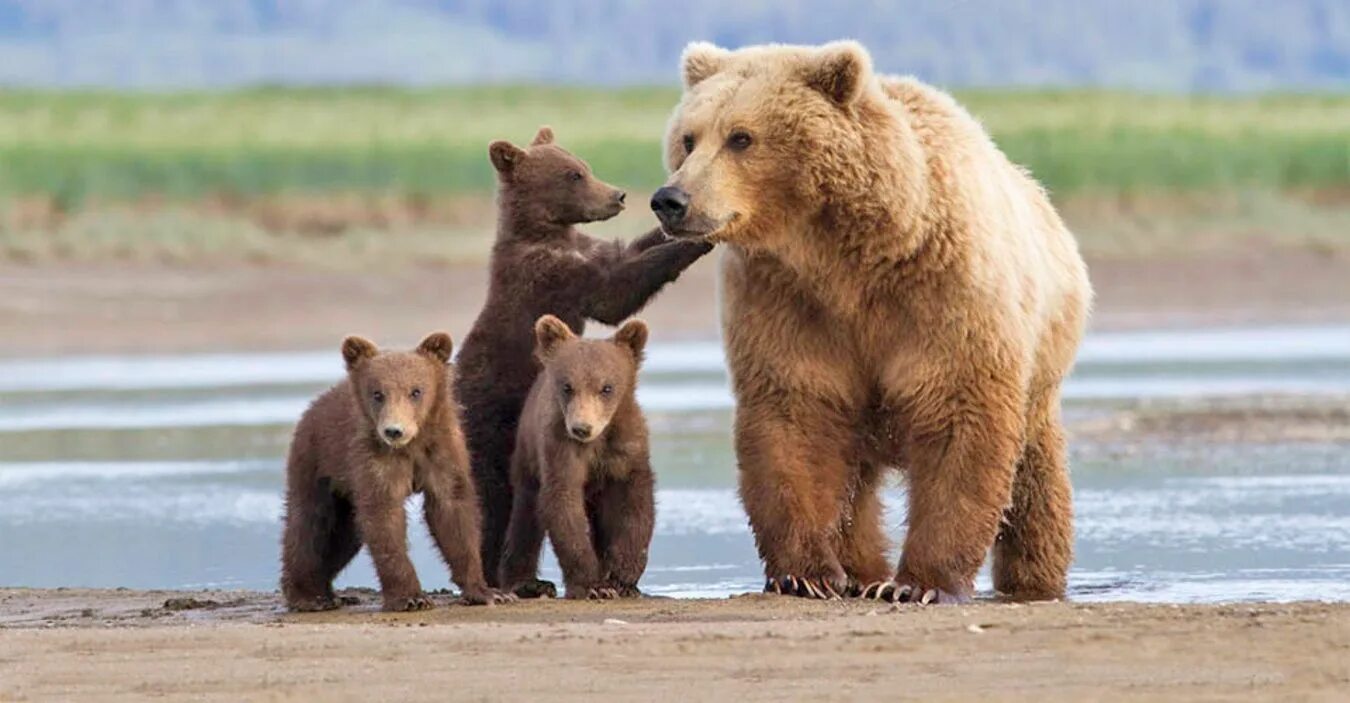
(581, 471)
(364, 446)
(541, 264)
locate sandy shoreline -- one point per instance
(124, 645)
(125, 308)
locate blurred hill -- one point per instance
(1181, 45)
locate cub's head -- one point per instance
(763, 138)
(397, 391)
(588, 378)
(551, 183)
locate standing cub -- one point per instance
(581, 470)
(543, 264)
(364, 446)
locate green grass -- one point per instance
(78, 147)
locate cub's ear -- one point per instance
(505, 156)
(549, 332)
(356, 350)
(700, 61)
(634, 336)
(545, 136)
(438, 345)
(839, 70)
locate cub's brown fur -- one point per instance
(581, 471)
(360, 450)
(895, 293)
(541, 264)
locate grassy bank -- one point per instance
(75, 148)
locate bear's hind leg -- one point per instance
(313, 528)
(1035, 541)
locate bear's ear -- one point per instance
(634, 336)
(839, 70)
(545, 136)
(549, 332)
(700, 61)
(438, 345)
(356, 350)
(505, 156)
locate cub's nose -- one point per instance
(581, 431)
(619, 196)
(393, 434)
(670, 204)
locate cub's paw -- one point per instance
(536, 588)
(314, 604)
(908, 591)
(820, 588)
(408, 604)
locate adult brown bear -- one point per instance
(895, 293)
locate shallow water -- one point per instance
(167, 472)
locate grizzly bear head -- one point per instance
(398, 391)
(550, 184)
(588, 379)
(769, 140)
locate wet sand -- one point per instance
(123, 308)
(122, 645)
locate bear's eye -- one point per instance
(377, 396)
(574, 175)
(688, 143)
(567, 389)
(416, 393)
(607, 389)
(739, 140)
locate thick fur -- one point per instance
(581, 470)
(346, 483)
(895, 293)
(543, 265)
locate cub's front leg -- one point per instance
(451, 507)
(384, 484)
(626, 517)
(562, 508)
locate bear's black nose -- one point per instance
(619, 196)
(670, 204)
(581, 431)
(393, 433)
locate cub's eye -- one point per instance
(739, 140)
(416, 393)
(574, 175)
(688, 143)
(377, 396)
(607, 389)
(567, 389)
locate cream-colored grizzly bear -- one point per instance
(896, 293)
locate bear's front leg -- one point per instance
(960, 482)
(384, 527)
(793, 480)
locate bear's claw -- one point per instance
(896, 592)
(790, 585)
(603, 593)
(485, 596)
(536, 588)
